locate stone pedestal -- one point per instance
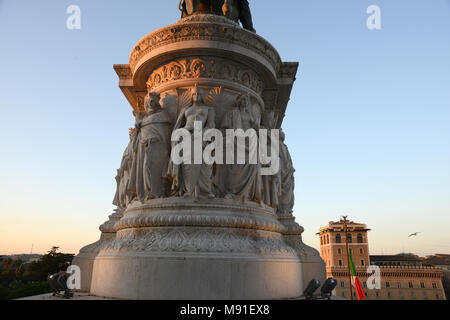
(86, 256)
(180, 247)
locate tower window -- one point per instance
(360, 238)
(349, 238)
(338, 238)
(340, 263)
(362, 262)
(339, 251)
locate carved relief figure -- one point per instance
(287, 180)
(193, 180)
(121, 198)
(271, 183)
(152, 150)
(242, 180)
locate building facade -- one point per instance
(411, 281)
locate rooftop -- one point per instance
(339, 226)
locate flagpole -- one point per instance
(348, 258)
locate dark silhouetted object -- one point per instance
(327, 288)
(58, 283)
(313, 285)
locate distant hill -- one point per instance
(24, 257)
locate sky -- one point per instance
(368, 123)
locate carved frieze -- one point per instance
(191, 239)
(205, 67)
(205, 27)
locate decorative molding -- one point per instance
(206, 240)
(123, 71)
(171, 212)
(205, 67)
(199, 220)
(205, 27)
(288, 70)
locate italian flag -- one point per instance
(355, 281)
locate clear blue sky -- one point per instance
(368, 124)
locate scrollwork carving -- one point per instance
(199, 240)
(205, 27)
(205, 67)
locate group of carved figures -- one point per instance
(147, 171)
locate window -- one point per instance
(410, 284)
(422, 285)
(360, 251)
(338, 238)
(342, 284)
(340, 263)
(339, 251)
(434, 285)
(362, 262)
(388, 284)
(349, 238)
(359, 238)
(399, 285)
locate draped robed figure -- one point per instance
(122, 198)
(152, 150)
(193, 180)
(242, 180)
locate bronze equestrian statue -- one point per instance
(236, 10)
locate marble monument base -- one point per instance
(181, 249)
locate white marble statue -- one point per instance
(242, 181)
(152, 150)
(122, 198)
(193, 180)
(271, 183)
(286, 201)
